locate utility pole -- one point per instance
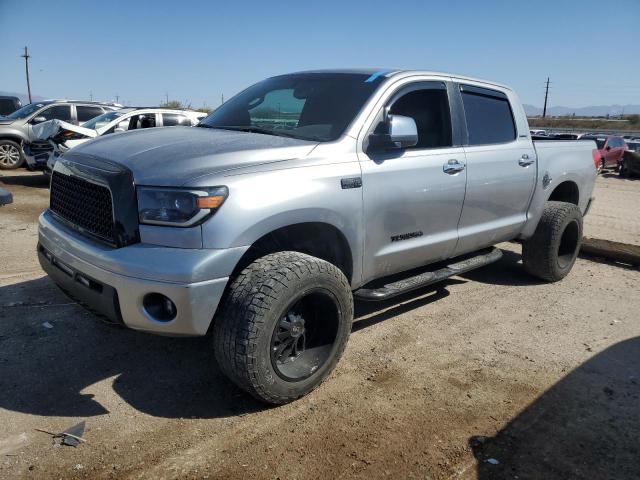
(546, 96)
(90, 95)
(117, 98)
(222, 99)
(167, 96)
(26, 66)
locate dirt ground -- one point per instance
(615, 214)
(490, 375)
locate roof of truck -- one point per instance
(389, 72)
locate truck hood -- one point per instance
(49, 129)
(173, 156)
(6, 121)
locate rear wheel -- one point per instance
(552, 250)
(624, 169)
(11, 156)
(283, 325)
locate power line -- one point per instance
(26, 66)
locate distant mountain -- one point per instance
(591, 111)
(24, 98)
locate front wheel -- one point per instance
(552, 250)
(11, 156)
(283, 325)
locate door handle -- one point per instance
(525, 161)
(453, 166)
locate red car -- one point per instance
(610, 150)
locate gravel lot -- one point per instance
(544, 379)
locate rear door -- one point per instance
(412, 199)
(501, 170)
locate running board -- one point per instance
(427, 278)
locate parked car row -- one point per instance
(56, 137)
(614, 151)
(39, 132)
(16, 129)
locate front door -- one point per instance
(501, 171)
(413, 197)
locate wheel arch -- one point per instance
(316, 238)
(14, 137)
(567, 191)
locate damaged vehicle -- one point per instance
(261, 225)
(56, 137)
(16, 129)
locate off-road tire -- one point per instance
(7, 146)
(254, 304)
(552, 250)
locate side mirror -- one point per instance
(39, 119)
(608, 148)
(401, 132)
(117, 130)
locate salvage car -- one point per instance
(16, 129)
(630, 163)
(56, 137)
(610, 150)
(264, 222)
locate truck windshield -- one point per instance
(307, 106)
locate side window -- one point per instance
(488, 115)
(175, 119)
(86, 112)
(144, 120)
(59, 112)
(429, 107)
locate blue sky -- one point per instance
(197, 50)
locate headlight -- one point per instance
(178, 207)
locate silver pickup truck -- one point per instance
(302, 192)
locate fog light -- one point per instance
(159, 307)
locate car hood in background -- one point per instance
(49, 129)
(173, 156)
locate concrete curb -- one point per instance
(616, 251)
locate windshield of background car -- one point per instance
(25, 111)
(308, 106)
(102, 120)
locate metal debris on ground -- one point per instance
(47, 325)
(71, 436)
(493, 461)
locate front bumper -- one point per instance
(36, 158)
(114, 282)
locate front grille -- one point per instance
(83, 204)
(39, 147)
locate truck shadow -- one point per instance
(62, 370)
(586, 426)
(36, 181)
(53, 371)
(506, 271)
